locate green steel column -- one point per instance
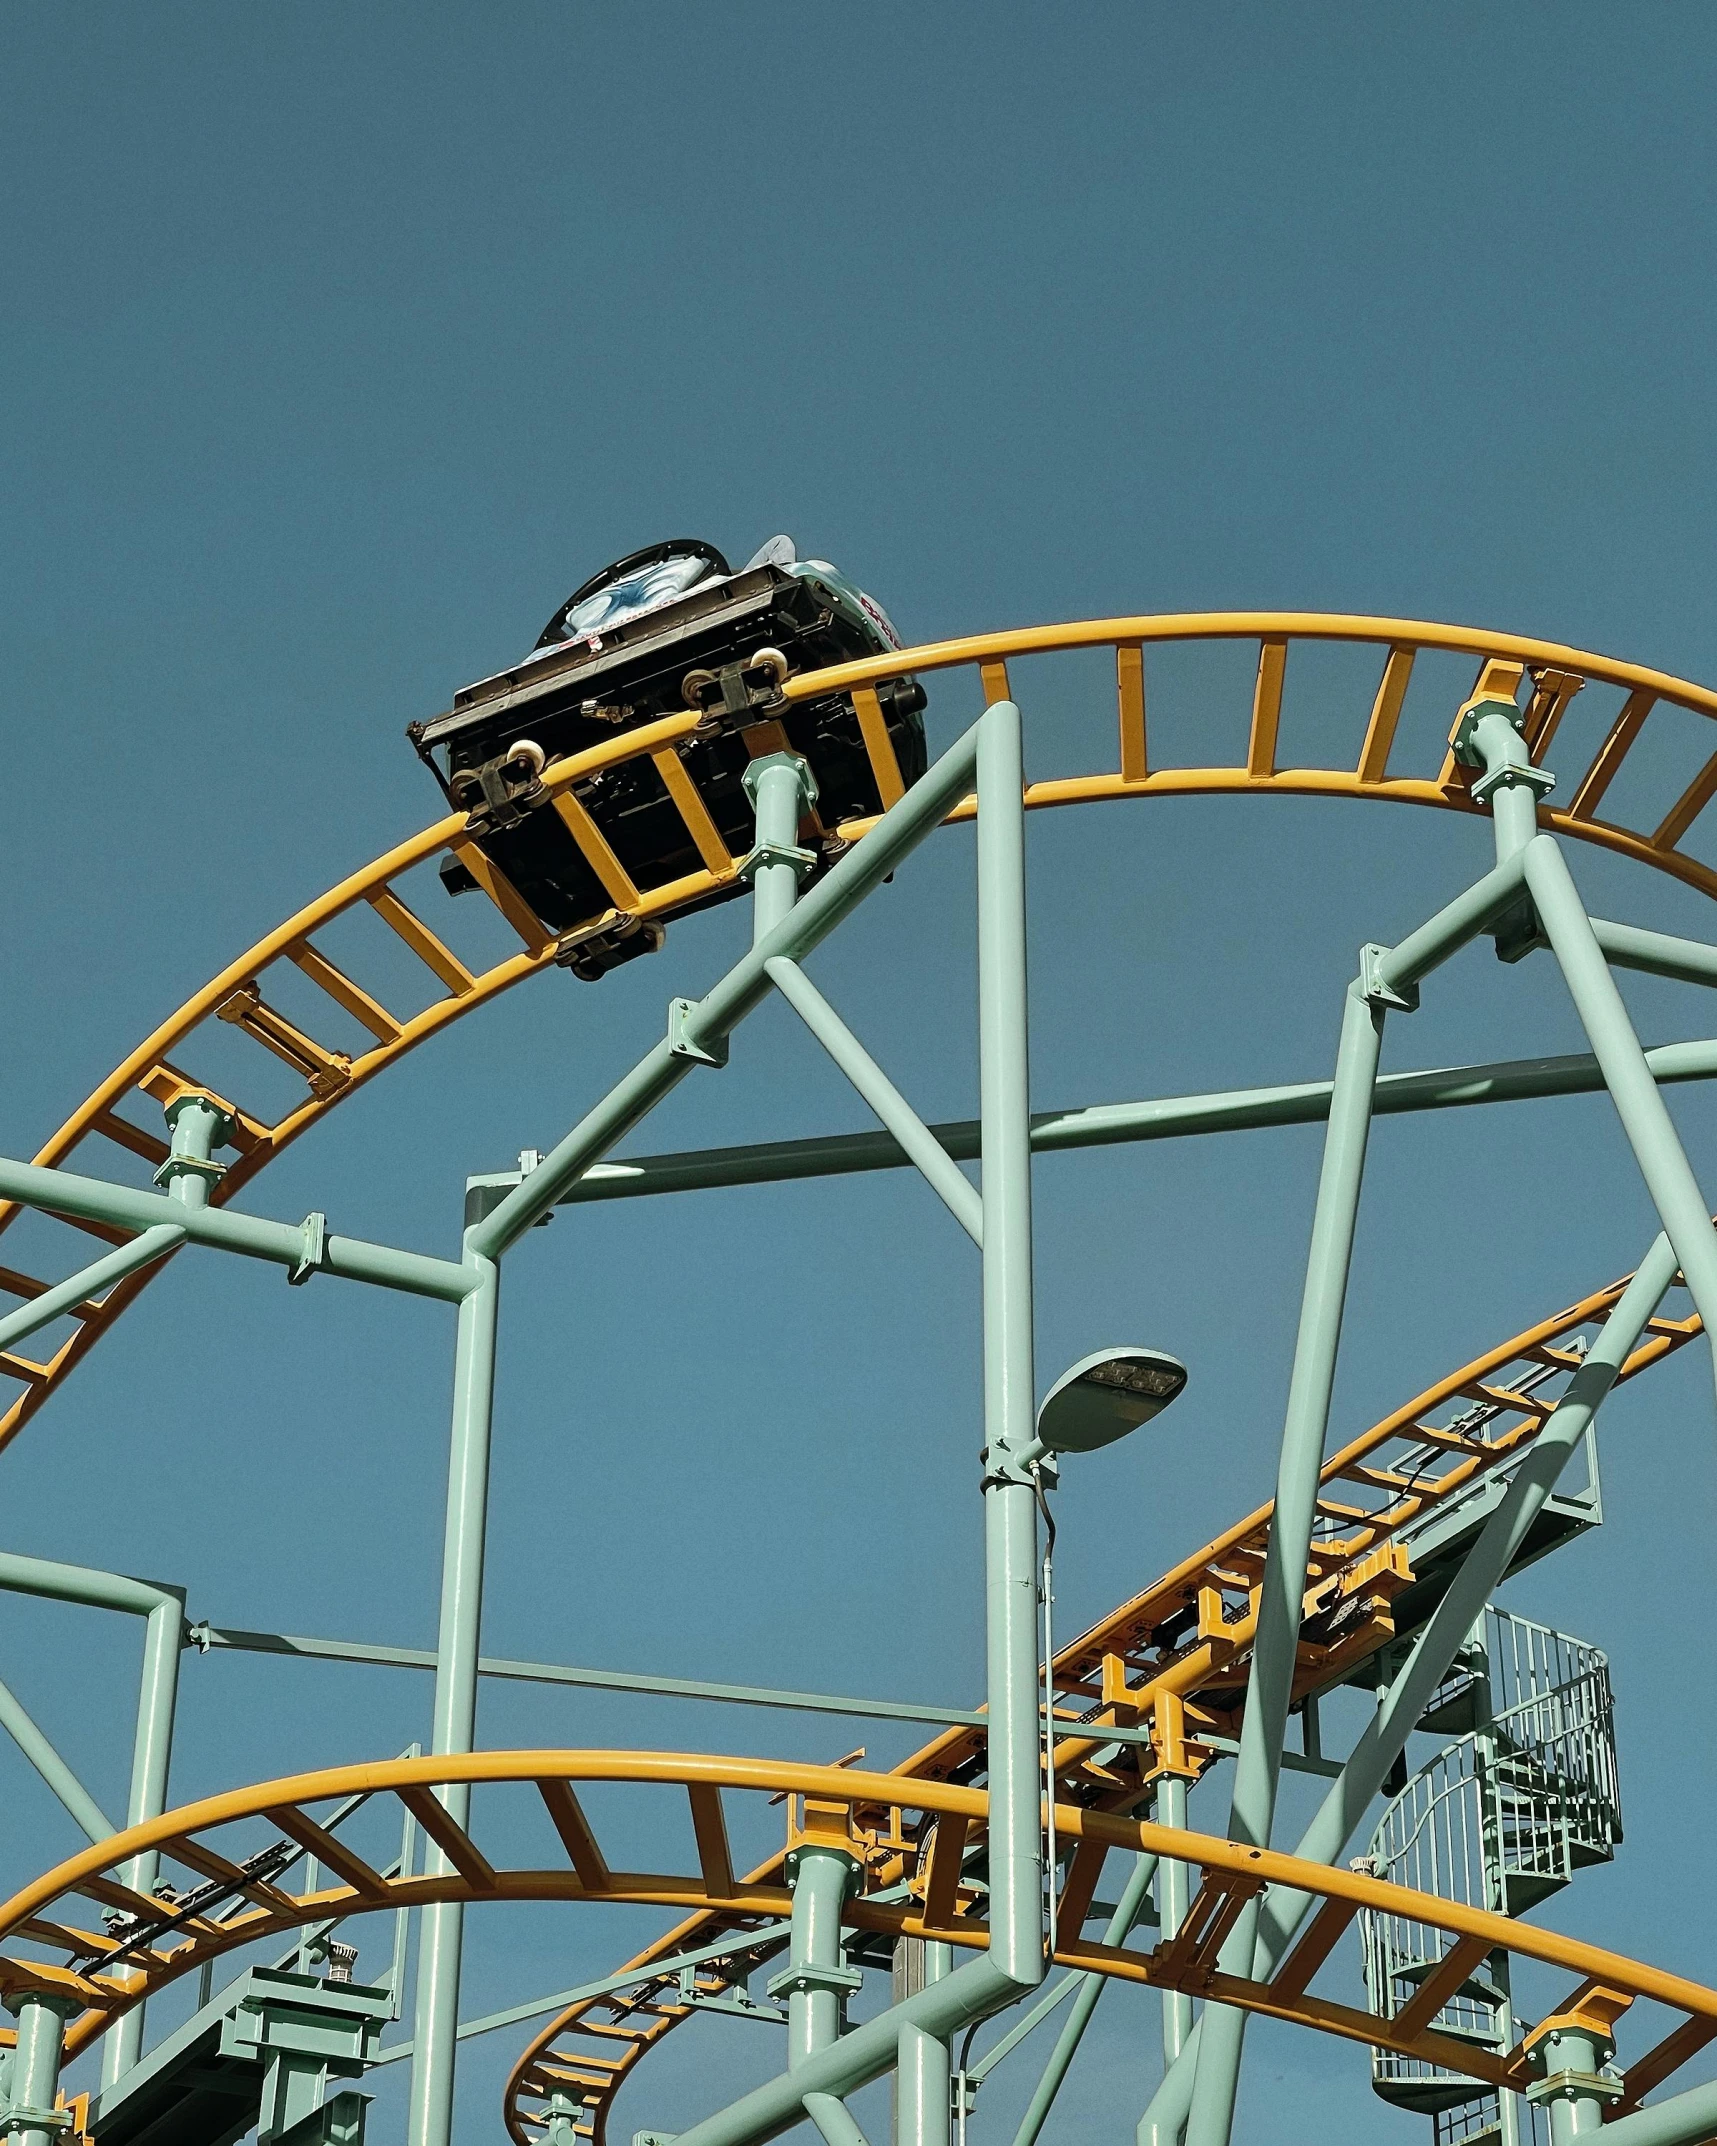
(1270, 1684)
(922, 2082)
(816, 1981)
(430, 2122)
(151, 1755)
(1573, 2086)
(199, 1126)
(1013, 1964)
(1385, 1736)
(1091, 1988)
(1173, 1899)
(780, 786)
(1010, 1401)
(1510, 784)
(35, 2075)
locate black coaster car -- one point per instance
(669, 628)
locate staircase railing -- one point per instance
(1500, 1819)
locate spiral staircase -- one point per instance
(1523, 1796)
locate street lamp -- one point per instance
(1106, 1395)
(1103, 1397)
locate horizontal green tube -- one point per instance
(212, 1637)
(1512, 1080)
(93, 1199)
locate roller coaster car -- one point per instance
(669, 628)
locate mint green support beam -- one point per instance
(1650, 1131)
(1655, 953)
(704, 1026)
(1174, 1895)
(93, 1199)
(1385, 1737)
(1175, 1117)
(163, 1612)
(1679, 2121)
(430, 2118)
(923, 2071)
(1573, 2088)
(816, 1981)
(834, 2120)
(1269, 1688)
(917, 1142)
(53, 1769)
(142, 1251)
(1013, 1966)
(780, 787)
(29, 2117)
(1402, 966)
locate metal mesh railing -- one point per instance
(1498, 1820)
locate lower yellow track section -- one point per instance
(881, 1818)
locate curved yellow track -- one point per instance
(873, 1814)
(124, 1109)
(1354, 1557)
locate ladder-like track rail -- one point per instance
(152, 1075)
(876, 1815)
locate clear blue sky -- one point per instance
(342, 342)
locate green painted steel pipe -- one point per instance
(1656, 953)
(1576, 2109)
(1451, 928)
(441, 1934)
(706, 1027)
(1680, 2121)
(1645, 1119)
(157, 1698)
(924, 2068)
(35, 2075)
(1501, 746)
(1174, 1895)
(142, 1251)
(834, 2120)
(1480, 1573)
(1091, 1987)
(1010, 1399)
(1106, 1124)
(1013, 1965)
(780, 786)
(93, 1199)
(816, 1969)
(1311, 1385)
(163, 1610)
(917, 1142)
(53, 1769)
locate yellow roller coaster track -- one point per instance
(152, 1074)
(1128, 1669)
(881, 1818)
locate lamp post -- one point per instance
(1095, 1402)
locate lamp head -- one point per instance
(1106, 1395)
